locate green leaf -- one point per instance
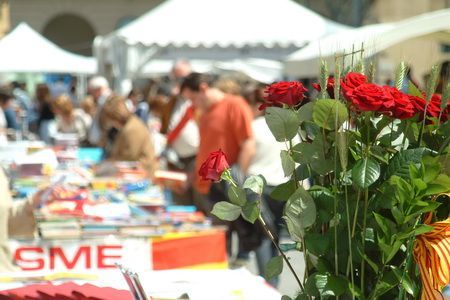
(255, 183)
(287, 163)
(300, 213)
(329, 285)
(283, 191)
(381, 288)
(440, 185)
(326, 111)
(226, 211)
(304, 153)
(323, 167)
(383, 224)
(323, 266)
(237, 195)
(419, 185)
(431, 207)
(371, 263)
(336, 286)
(409, 286)
(413, 90)
(399, 164)
(282, 122)
(301, 207)
(394, 249)
(302, 296)
(317, 244)
(335, 220)
(398, 215)
(431, 168)
(311, 129)
(401, 190)
(296, 231)
(355, 291)
(303, 172)
(305, 112)
(250, 211)
(365, 172)
(287, 298)
(274, 267)
(421, 229)
(406, 281)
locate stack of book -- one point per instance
(60, 229)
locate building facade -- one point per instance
(74, 24)
(420, 53)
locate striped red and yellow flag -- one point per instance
(432, 254)
(190, 250)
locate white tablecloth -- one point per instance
(198, 284)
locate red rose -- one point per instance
(433, 109)
(330, 87)
(284, 92)
(214, 166)
(371, 97)
(351, 81)
(403, 108)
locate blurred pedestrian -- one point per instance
(68, 119)
(88, 107)
(98, 88)
(5, 101)
(181, 129)
(126, 136)
(46, 120)
(225, 124)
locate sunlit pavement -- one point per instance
(287, 284)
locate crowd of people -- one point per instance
(169, 124)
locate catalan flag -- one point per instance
(432, 254)
(190, 250)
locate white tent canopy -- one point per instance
(212, 30)
(259, 69)
(374, 38)
(234, 23)
(25, 50)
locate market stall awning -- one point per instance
(232, 23)
(374, 38)
(212, 30)
(25, 50)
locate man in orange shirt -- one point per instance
(225, 123)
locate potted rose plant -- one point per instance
(374, 224)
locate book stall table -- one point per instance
(108, 214)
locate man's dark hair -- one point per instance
(5, 95)
(193, 81)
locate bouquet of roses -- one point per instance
(375, 221)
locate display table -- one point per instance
(202, 249)
(197, 284)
